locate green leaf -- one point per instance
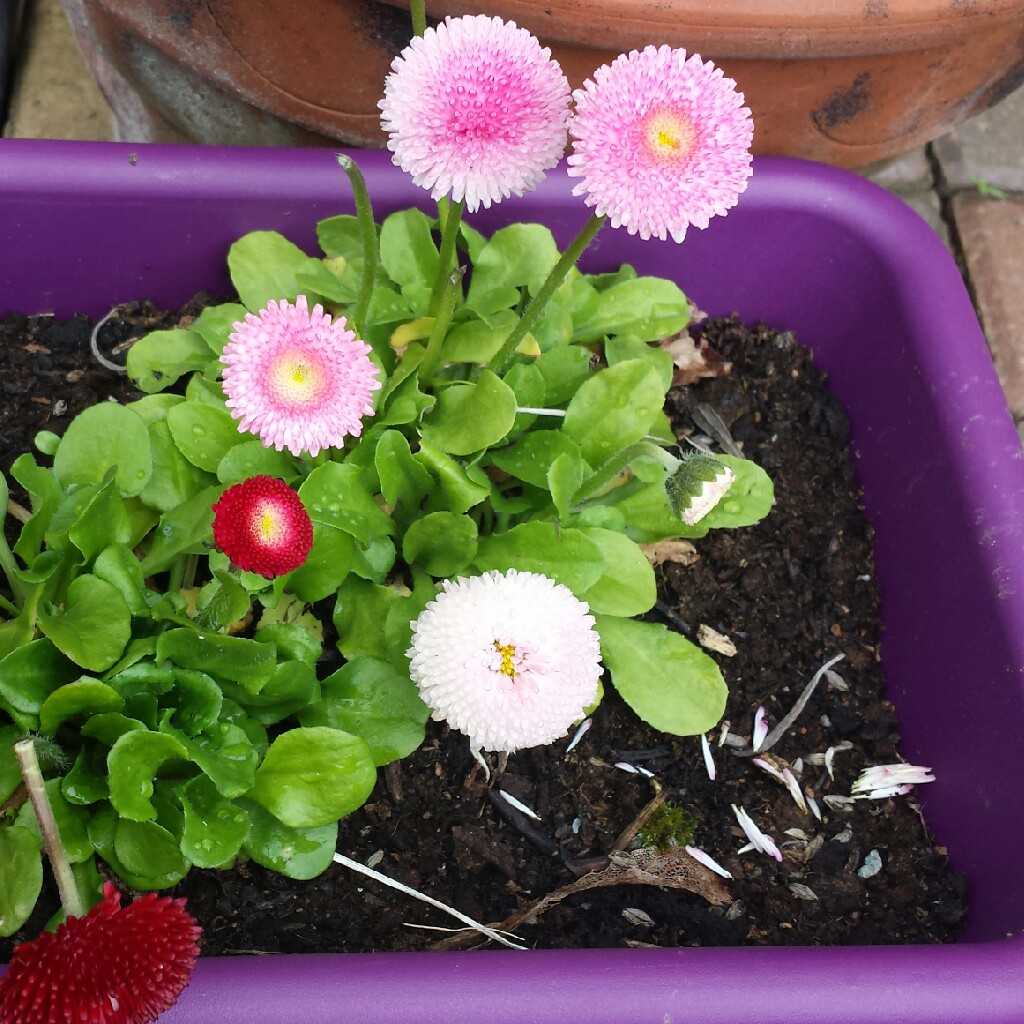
(83, 697)
(311, 777)
(226, 753)
(10, 773)
(236, 658)
(341, 235)
(216, 323)
(118, 566)
(455, 492)
(359, 616)
(567, 556)
(408, 252)
(253, 458)
(628, 586)
(21, 880)
(86, 783)
(564, 370)
(157, 360)
(403, 481)
(646, 308)
(614, 409)
(517, 255)
(470, 417)
(46, 495)
(564, 479)
(475, 341)
(327, 564)
(293, 687)
(221, 602)
(175, 479)
(264, 266)
(183, 530)
(153, 408)
(443, 543)
(148, 855)
(531, 457)
(335, 495)
(215, 827)
(94, 626)
(133, 762)
(369, 698)
(103, 437)
(108, 727)
(29, 674)
(621, 350)
(203, 433)
(668, 681)
(199, 701)
(301, 853)
(748, 500)
(374, 561)
(103, 521)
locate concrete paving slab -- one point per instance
(911, 172)
(54, 96)
(992, 234)
(986, 149)
(926, 204)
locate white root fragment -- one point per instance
(711, 640)
(362, 869)
(580, 732)
(517, 804)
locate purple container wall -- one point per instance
(869, 287)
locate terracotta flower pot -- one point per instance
(869, 287)
(847, 84)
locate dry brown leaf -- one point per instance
(693, 359)
(680, 551)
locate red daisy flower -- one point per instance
(115, 965)
(262, 526)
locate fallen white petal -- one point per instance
(709, 761)
(760, 730)
(707, 860)
(580, 732)
(768, 767)
(794, 789)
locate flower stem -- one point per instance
(446, 258)
(368, 230)
(441, 322)
(536, 305)
(617, 463)
(70, 898)
(418, 10)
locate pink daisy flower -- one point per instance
(114, 965)
(510, 659)
(262, 526)
(661, 141)
(297, 379)
(476, 110)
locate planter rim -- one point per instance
(751, 29)
(972, 981)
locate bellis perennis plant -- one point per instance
(412, 474)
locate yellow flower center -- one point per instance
(669, 136)
(298, 379)
(508, 656)
(267, 523)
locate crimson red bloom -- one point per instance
(262, 526)
(115, 965)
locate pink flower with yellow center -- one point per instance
(661, 141)
(298, 379)
(476, 110)
(510, 659)
(262, 526)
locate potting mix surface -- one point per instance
(774, 601)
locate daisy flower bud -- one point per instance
(262, 526)
(297, 379)
(115, 965)
(510, 659)
(476, 110)
(661, 141)
(697, 485)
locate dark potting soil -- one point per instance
(788, 594)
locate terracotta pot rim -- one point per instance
(749, 29)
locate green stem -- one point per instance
(446, 258)
(70, 897)
(418, 9)
(368, 231)
(10, 568)
(189, 576)
(176, 576)
(617, 463)
(536, 306)
(440, 328)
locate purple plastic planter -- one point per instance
(867, 285)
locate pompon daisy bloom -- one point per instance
(297, 379)
(510, 659)
(262, 526)
(661, 141)
(114, 965)
(476, 110)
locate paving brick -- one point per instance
(54, 96)
(911, 172)
(987, 148)
(992, 233)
